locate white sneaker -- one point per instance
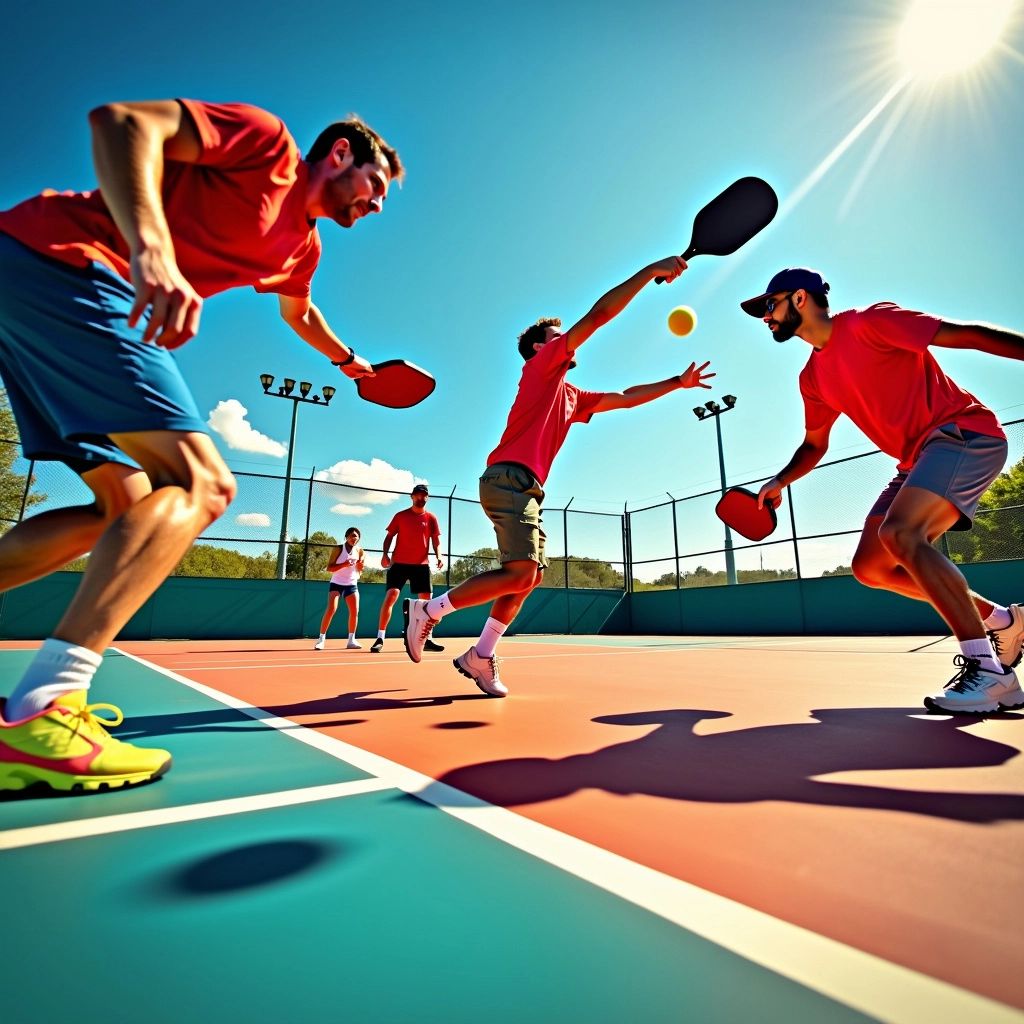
(353, 646)
(975, 690)
(483, 671)
(319, 645)
(418, 625)
(1008, 641)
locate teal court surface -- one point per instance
(354, 839)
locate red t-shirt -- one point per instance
(237, 216)
(876, 368)
(414, 530)
(545, 407)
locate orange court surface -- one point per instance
(798, 778)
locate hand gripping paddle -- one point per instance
(738, 508)
(396, 383)
(732, 218)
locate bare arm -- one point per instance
(130, 142)
(612, 303)
(333, 563)
(437, 550)
(996, 341)
(309, 324)
(805, 458)
(385, 558)
(693, 377)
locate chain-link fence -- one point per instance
(278, 528)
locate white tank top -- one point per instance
(348, 575)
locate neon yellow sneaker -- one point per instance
(67, 747)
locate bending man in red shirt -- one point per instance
(416, 530)
(95, 289)
(511, 488)
(875, 366)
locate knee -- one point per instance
(900, 539)
(524, 577)
(217, 491)
(867, 571)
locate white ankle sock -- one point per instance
(982, 650)
(323, 636)
(351, 636)
(492, 632)
(999, 618)
(439, 607)
(380, 634)
(57, 668)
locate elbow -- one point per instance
(108, 114)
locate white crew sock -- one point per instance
(323, 636)
(351, 636)
(982, 650)
(999, 618)
(439, 607)
(492, 632)
(380, 634)
(57, 668)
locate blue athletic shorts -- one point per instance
(345, 589)
(74, 371)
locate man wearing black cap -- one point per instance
(874, 365)
(416, 530)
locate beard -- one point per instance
(789, 325)
(344, 210)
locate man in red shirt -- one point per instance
(95, 289)
(416, 530)
(874, 365)
(511, 487)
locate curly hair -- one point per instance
(367, 145)
(534, 334)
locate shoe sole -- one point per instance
(405, 632)
(479, 685)
(20, 777)
(987, 708)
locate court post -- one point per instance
(448, 560)
(675, 538)
(309, 516)
(714, 410)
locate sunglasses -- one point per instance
(769, 306)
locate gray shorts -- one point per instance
(958, 465)
(511, 496)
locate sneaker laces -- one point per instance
(94, 722)
(426, 627)
(993, 635)
(970, 670)
(493, 662)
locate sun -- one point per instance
(942, 37)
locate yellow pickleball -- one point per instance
(682, 320)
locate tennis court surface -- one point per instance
(647, 829)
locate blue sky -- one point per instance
(552, 150)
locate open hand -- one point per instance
(694, 376)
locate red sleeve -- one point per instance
(552, 359)
(889, 324)
(817, 413)
(393, 525)
(586, 402)
(237, 135)
(296, 279)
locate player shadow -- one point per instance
(228, 720)
(773, 762)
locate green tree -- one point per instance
(998, 530)
(317, 550)
(12, 485)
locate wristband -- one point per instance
(345, 362)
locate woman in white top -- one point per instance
(345, 564)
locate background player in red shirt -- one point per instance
(95, 288)
(874, 365)
(511, 488)
(416, 530)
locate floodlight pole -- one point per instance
(714, 410)
(285, 391)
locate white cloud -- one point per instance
(228, 420)
(341, 509)
(374, 481)
(252, 519)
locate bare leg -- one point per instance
(192, 487)
(512, 580)
(332, 607)
(44, 543)
(390, 597)
(916, 518)
(353, 611)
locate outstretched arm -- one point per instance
(130, 142)
(612, 303)
(693, 377)
(309, 324)
(805, 458)
(997, 341)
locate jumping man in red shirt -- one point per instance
(511, 488)
(95, 289)
(874, 365)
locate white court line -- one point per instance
(850, 976)
(34, 835)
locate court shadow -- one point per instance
(775, 762)
(228, 720)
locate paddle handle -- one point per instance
(688, 255)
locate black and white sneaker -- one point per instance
(976, 691)
(377, 646)
(432, 646)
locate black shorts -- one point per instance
(417, 576)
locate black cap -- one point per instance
(790, 280)
(420, 489)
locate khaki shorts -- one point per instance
(511, 496)
(958, 465)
